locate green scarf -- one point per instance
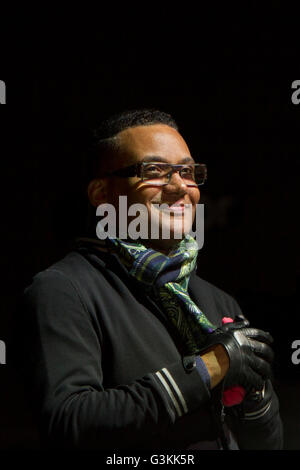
(166, 278)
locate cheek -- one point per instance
(145, 195)
(118, 188)
(195, 196)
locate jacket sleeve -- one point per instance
(63, 359)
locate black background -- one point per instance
(231, 96)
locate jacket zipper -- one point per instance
(223, 439)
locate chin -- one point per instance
(171, 226)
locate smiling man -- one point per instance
(127, 347)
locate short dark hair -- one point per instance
(104, 137)
(111, 126)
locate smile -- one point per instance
(177, 209)
(174, 209)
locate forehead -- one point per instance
(155, 140)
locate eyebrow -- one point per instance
(157, 158)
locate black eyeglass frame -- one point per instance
(135, 170)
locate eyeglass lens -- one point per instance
(162, 172)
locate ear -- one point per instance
(97, 191)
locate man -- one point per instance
(126, 347)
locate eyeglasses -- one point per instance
(160, 174)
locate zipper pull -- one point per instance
(223, 414)
(222, 404)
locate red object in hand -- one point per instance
(234, 395)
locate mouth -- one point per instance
(175, 216)
(175, 209)
(178, 207)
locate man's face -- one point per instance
(139, 144)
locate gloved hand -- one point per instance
(234, 395)
(249, 354)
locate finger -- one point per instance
(254, 380)
(235, 326)
(262, 350)
(261, 367)
(258, 335)
(240, 318)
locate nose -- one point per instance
(176, 184)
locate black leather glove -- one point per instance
(249, 354)
(256, 421)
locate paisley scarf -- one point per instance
(166, 279)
